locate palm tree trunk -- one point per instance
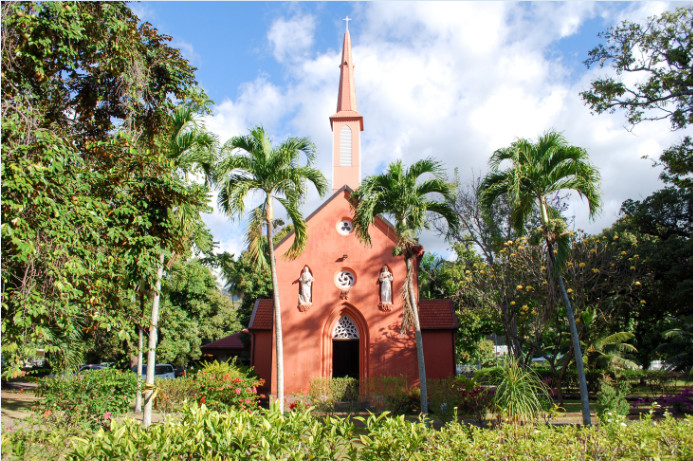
(419, 338)
(584, 396)
(278, 337)
(151, 353)
(140, 342)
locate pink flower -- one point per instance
(238, 391)
(107, 415)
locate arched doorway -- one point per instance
(345, 349)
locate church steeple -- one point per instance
(346, 124)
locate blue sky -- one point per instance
(452, 80)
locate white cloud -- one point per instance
(453, 80)
(291, 39)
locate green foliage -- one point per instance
(266, 434)
(519, 394)
(171, 393)
(194, 311)
(251, 163)
(459, 396)
(83, 208)
(91, 398)
(611, 401)
(653, 64)
(245, 279)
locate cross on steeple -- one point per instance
(347, 19)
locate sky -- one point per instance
(452, 80)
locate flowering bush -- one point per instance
(220, 392)
(679, 403)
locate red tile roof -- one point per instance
(434, 314)
(437, 314)
(262, 318)
(230, 342)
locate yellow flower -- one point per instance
(519, 287)
(512, 255)
(528, 287)
(525, 307)
(543, 268)
(534, 312)
(623, 253)
(582, 264)
(544, 283)
(637, 283)
(615, 237)
(555, 251)
(569, 264)
(632, 268)
(636, 256)
(595, 270)
(570, 290)
(593, 250)
(512, 303)
(467, 272)
(642, 301)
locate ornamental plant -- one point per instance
(91, 398)
(222, 386)
(612, 405)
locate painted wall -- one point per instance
(308, 334)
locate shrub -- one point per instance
(219, 385)
(89, 398)
(520, 396)
(459, 395)
(173, 392)
(221, 392)
(612, 405)
(677, 403)
(324, 393)
(266, 434)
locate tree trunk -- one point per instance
(151, 353)
(419, 339)
(140, 343)
(278, 337)
(584, 396)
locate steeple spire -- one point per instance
(346, 125)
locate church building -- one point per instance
(341, 304)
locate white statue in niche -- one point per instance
(305, 291)
(385, 280)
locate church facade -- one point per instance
(340, 300)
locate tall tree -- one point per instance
(190, 148)
(252, 164)
(654, 80)
(537, 171)
(74, 208)
(410, 196)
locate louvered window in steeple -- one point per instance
(345, 146)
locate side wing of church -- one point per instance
(341, 302)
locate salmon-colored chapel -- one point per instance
(341, 306)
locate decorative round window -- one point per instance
(345, 227)
(345, 329)
(344, 280)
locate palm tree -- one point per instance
(404, 196)
(190, 148)
(537, 171)
(252, 164)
